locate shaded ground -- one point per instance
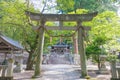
(61, 72)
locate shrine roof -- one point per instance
(61, 43)
(7, 43)
(60, 46)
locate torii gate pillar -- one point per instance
(39, 49)
(82, 50)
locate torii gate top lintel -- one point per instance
(61, 17)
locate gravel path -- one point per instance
(60, 72)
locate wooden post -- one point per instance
(61, 40)
(76, 55)
(82, 51)
(50, 39)
(75, 44)
(39, 51)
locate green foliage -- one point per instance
(90, 5)
(79, 11)
(99, 40)
(66, 6)
(112, 58)
(106, 24)
(10, 16)
(94, 49)
(14, 23)
(104, 32)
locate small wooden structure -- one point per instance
(8, 46)
(78, 18)
(60, 48)
(60, 54)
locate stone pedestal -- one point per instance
(103, 69)
(3, 70)
(19, 63)
(76, 59)
(17, 69)
(10, 67)
(118, 72)
(113, 70)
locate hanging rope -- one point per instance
(61, 35)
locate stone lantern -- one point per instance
(19, 63)
(103, 68)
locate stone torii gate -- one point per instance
(79, 18)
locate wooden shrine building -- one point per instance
(8, 46)
(60, 54)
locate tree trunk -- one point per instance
(29, 62)
(99, 66)
(99, 62)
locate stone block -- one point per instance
(115, 79)
(6, 78)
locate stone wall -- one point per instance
(25, 57)
(65, 58)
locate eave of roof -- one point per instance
(11, 42)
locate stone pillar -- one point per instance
(4, 70)
(82, 51)
(118, 71)
(4, 66)
(21, 62)
(50, 39)
(61, 40)
(103, 68)
(113, 70)
(10, 67)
